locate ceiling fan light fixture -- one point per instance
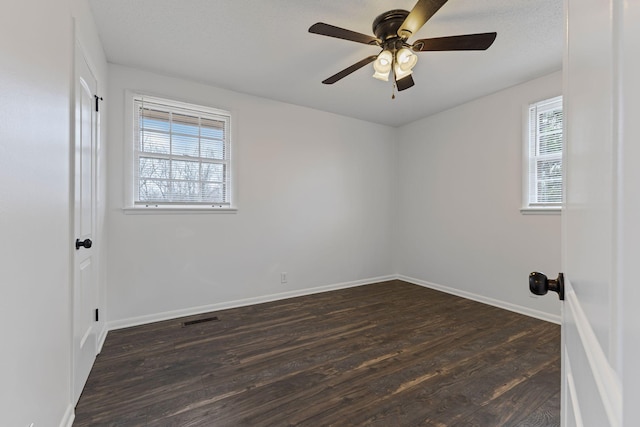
(382, 65)
(406, 59)
(400, 73)
(404, 63)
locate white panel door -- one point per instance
(84, 280)
(600, 214)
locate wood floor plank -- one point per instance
(387, 354)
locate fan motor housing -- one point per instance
(386, 25)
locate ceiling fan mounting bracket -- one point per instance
(386, 25)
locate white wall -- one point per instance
(324, 198)
(313, 192)
(34, 207)
(36, 41)
(459, 193)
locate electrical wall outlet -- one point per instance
(283, 277)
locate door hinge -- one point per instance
(98, 99)
(97, 315)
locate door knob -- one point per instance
(86, 243)
(540, 285)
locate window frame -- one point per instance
(131, 206)
(527, 173)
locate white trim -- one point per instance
(175, 210)
(142, 320)
(68, 417)
(485, 300)
(168, 315)
(129, 149)
(541, 211)
(102, 336)
(129, 206)
(528, 208)
(608, 383)
(524, 172)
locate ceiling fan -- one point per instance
(392, 31)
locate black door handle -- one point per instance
(86, 243)
(540, 285)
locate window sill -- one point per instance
(131, 210)
(541, 211)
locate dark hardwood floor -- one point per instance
(388, 354)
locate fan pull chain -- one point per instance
(393, 91)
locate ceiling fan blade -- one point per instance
(404, 83)
(480, 41)
(344, 73)
(341, 33)
(421, 13)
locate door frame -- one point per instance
(627, 17)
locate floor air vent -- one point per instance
(203, 320)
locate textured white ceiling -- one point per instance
(263, 48)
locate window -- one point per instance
(543, 156)
(180, 155)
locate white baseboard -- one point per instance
(69, 416)
(157, 317)
(142, 320)
(485, 300)
(102, 336)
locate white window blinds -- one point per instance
(181, 154)
(545, 154)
